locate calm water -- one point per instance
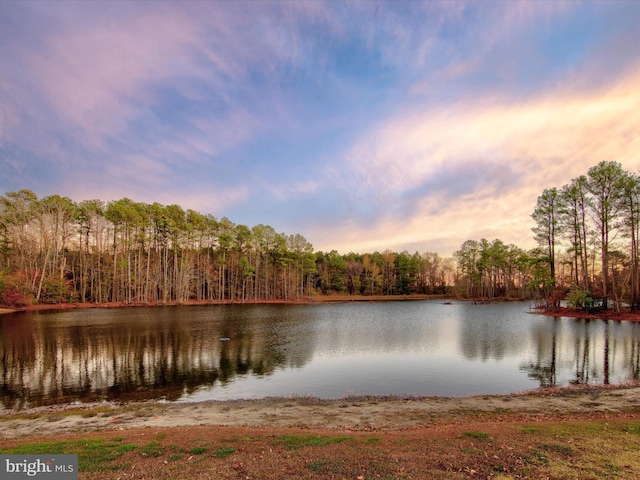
(329, 351)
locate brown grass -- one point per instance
(464, 445)
(590, 449)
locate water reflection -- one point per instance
(583, 351)
(490, 332)
(543, 369)
(422, 348)
(155, 353)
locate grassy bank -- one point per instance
(498, 447)
(572, 433)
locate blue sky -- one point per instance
(360, 125)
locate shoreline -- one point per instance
(302, 301)
(574, 432)
(359, 413)
(624, 315)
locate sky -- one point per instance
(361, 125)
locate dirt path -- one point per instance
(362, 413)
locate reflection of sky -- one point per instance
(412, 348)
(328, 376)
(425, 348)
(356, 338)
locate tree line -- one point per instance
(55, 250)
(596, 218)
(587, 234)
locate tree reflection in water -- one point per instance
(597, 354)
(155, 358)
(419, 348)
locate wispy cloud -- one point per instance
(453, 170)
(98, 77)
(362, 125)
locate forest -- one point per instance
(55, 250)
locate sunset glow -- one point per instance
(362, 126)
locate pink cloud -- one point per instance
(545, 141)
(8, 120)
(95, 75)
(101, 76)
(573, 128)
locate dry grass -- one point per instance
(498, 447)
(582, 433)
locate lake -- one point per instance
(217, 352)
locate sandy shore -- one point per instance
(359, 413)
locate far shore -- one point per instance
(624, 315)
(337, 298)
